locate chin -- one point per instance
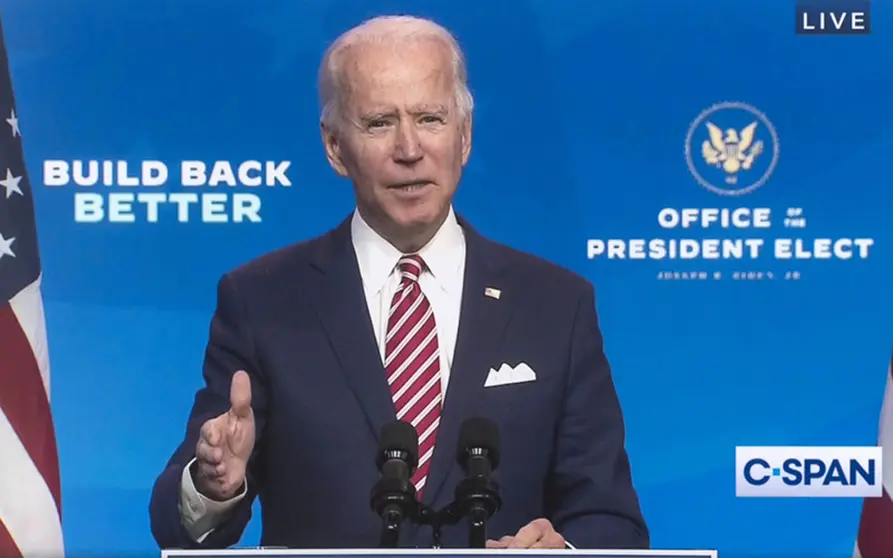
(417, 217)
(416, 212)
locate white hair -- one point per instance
(387, 30)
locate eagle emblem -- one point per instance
(732, 150)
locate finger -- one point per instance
(217, 470)
(526, 537)
(515, 543)
(240, 395)
(221, 487)
(231, 486)
(550, 540)
(211, 433)
(530, 534)
(501, 543)
(522, 540)
(208, 470)
(207, 453)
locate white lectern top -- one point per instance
(431, 553)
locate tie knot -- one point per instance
(411, 267)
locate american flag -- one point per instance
(875, 538)
(30, 516)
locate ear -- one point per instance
(466, 140)
(333, 149)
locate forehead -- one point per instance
(395, 74)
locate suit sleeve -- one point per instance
(230, 348)
(591, 498)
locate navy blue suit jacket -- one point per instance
(297, 321)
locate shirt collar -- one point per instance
(377, 257)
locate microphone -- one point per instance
(477, 496)
(394, 496)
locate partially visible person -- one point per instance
(404, 311)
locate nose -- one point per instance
(407, 147)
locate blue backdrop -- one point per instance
(583, 109)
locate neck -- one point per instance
(406, 240)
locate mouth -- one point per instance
(409, 187)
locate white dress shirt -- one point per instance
(441, 283)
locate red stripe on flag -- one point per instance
(24, 401)
(8, 548)
(875, 537)
(876, 527)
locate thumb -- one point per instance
(240, 395)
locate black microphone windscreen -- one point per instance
(480, 433)
(400, 436)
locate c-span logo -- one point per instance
(731, 149)
(820, 472)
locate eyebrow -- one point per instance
(430, 109)
(415, 111)
(377, 115)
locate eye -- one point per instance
(377, 123)
(431, 119)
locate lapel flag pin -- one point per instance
(492, 293)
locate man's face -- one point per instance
(402, 140)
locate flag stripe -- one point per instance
(7, 545)
(876, 527)
(28, 308)
(23, 400)
(27, 508)
(30, 491)
(885, 439)
(875, 536)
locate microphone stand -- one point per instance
(428, 516)
(394, 500)
(476, 497)
(437, 519)
(478, 506)
(390, 528)
(477, 530)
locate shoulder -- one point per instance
(552, 299)
(536, 273)
(274, 264)
(288, 265)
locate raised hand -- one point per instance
(225, 444)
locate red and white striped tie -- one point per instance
(412, 362)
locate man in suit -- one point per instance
(401, 311)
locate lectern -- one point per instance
(432, 553)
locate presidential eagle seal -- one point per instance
(731, 149)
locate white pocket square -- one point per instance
(510, 375)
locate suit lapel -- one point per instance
(482, 323)
(345, 316)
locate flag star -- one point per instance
(5, 247)
(11, 183)
(13, 121)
